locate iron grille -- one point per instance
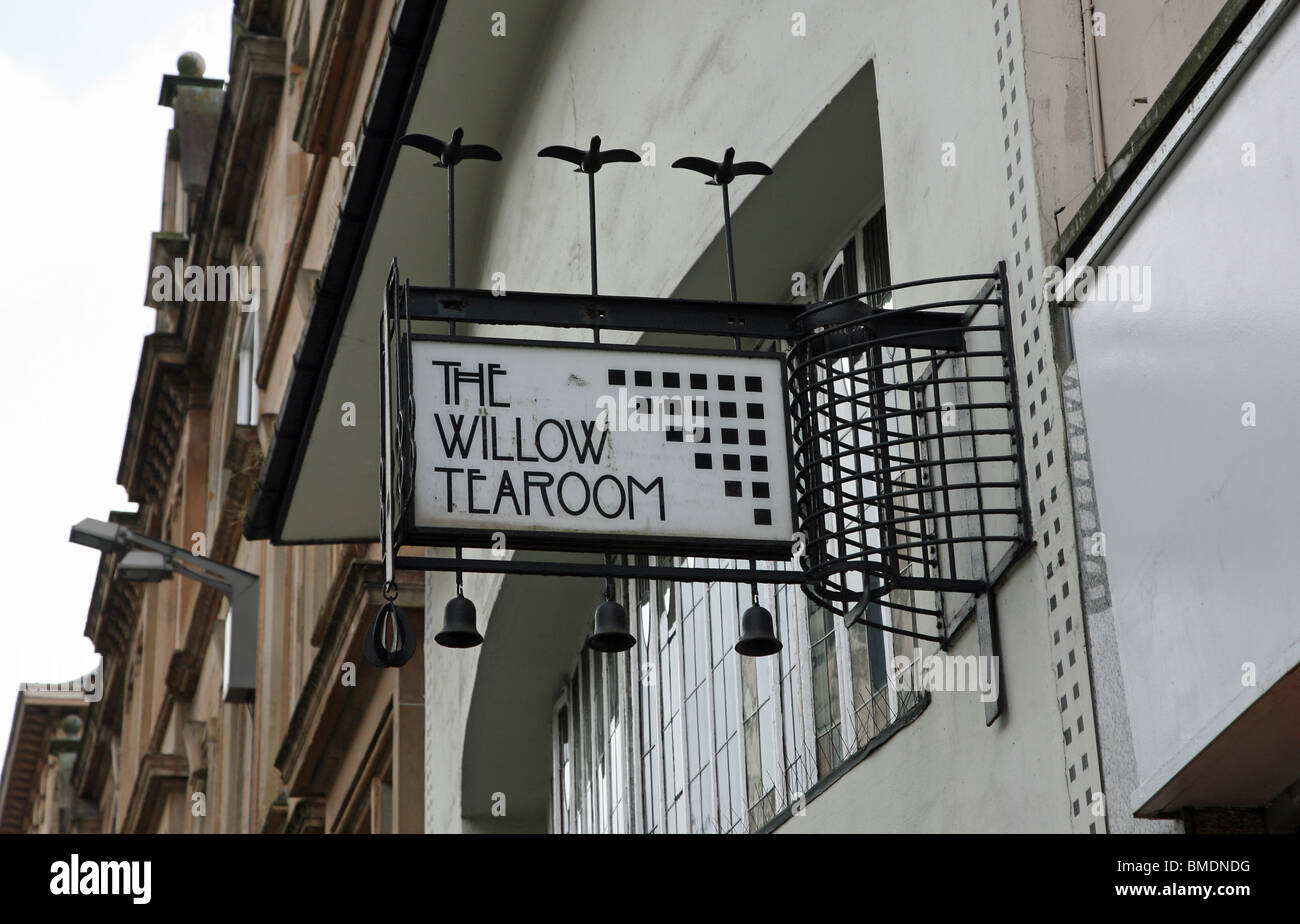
(908, 463)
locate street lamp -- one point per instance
(152, 560)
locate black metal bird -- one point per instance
(450, 153)
(447, 155)
(592, 159)
(589, 162)
(721, 174)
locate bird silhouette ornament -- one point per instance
(592, 159)
(450, 153)
(721, 174)
(447, 154)
(589, 162)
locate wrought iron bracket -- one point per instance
(903, 509)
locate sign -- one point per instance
(581, 446)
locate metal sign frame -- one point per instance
(404, 304)
(791, 325)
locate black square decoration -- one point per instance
(703, 460)
(731, 462)
(762, 517)
(642, 379)
(758, 463)
(730, 437)
(727, 408)
(754, 410)
(674, 436)
(726, 383)
(672, 380)
(757, 438)
(699, 381)
(701, 435)
(753, 383)
(732, 488)
(761, 489)
(617, 377)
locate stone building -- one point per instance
(36, 793)
(253, 173)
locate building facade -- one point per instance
(36, 793)
(254, 169)
(1178, 394)
(1130, 664)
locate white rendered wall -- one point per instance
(1199, 510)
(694, 78)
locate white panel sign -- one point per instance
(594, 440)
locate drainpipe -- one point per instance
(1094, 90)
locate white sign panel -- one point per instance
(585, 441)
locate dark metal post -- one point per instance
(591, 215)
(447, 154)
(451, 227)
(731, 259)
(589, 162)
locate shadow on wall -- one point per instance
(538, 626)
(819, 189)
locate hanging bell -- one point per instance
(458, 629)
(390, 641)
(613, 632)
(757, 636)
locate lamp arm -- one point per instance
(225, 573)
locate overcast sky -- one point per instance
(82, 142)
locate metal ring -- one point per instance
(390, 591)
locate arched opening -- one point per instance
(536, 625)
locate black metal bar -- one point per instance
(679, 316)
(451, 226)
(1014, 395)
(897, 286)
(591, 218)
(897, 631)
(600, 570)
(731, 258)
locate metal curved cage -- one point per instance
(908, 462)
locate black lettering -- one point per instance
(447, 367)
(564, 439)
(459, 443)
(586, 494)
(504, 490)
(450, 472)
(475, 378)
(519, 441)
(495, 457)
(472, 476)
(494, 369)
(595, 496)
(542, 480)
(584, 448)
(633, 486)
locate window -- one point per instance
(591, 790)
(246, 400)
(247, 300)
(696, 737)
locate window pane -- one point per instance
(566, 768)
